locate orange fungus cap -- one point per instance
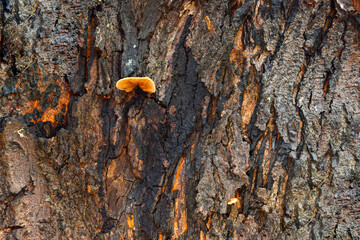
(130, 83)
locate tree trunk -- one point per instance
(253, 132)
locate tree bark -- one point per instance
(253, 132)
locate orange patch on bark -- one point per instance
(232, 201)
(234, 56)
(267, 158)
(209, 25)
(239, 45)
(178, 177)
(130, 221)
(208, 224)
(249, 102)
(180, 224)
(357, 5)
(50, 112)
(202, 235)
(89, 189)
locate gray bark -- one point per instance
(253, 132)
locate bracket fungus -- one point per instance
(131, 83)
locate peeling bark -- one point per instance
(253, 132)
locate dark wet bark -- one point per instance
(253, 132)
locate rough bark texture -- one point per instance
(253, 132)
